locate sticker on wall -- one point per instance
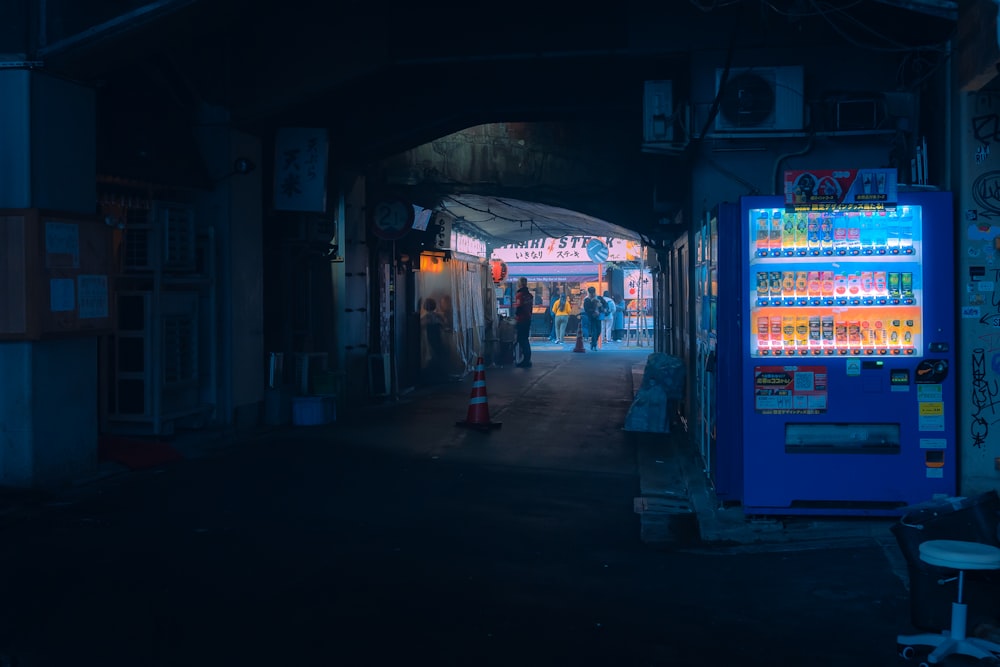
(973, 251)
(971, 215)
(982, 231)
(930, 416)
(970, 312)
(986, 285)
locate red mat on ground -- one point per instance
(136, 454)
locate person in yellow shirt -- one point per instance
(562, 309)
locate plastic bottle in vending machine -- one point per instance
(815, 334)
(788, 333)
(854, 221)
(763, 333)
(906, 231)
(774, 238)
(892, 232)
(775, 332)
(802, 333)
(839, 233)
(826, 234)
(880, 233)
(763, 231)
(788, 235)
(867, 232)
(813, 233)
(801, 233)
(826, 322)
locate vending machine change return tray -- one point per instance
(852, 438)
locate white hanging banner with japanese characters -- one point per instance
(300, 158)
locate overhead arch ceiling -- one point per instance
(387, 77)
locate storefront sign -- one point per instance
(844, 189)
(567, 249)
(300, 162)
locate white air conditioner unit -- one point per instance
(760, 99)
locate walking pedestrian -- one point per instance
(561, 310)
(619, 326)
(607, 315)
(550, 314)
(523, 307)
(592, 312)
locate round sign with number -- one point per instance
(597, 251)
(392, 219)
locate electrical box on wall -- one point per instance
(658, 112)
(760, 99)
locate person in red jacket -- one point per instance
(523, 305)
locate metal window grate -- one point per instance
(179, 234)
(179, 363)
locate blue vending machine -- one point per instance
(848, 353)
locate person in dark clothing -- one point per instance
(592, 306)
(524, 303)
(434, 327)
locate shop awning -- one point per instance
(549, 271)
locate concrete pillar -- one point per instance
(48, 388)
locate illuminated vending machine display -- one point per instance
(848, 380)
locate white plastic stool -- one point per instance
(959, 556)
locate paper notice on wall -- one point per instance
(93, 291)
(62, 296)
(62, 245)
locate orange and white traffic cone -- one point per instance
(478, 416)
(579, 341)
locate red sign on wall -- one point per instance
(855, 189)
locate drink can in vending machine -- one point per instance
(788, 333)
(895, 332)
(776, 332)
(880, 283)
(867, 282)
(801, 284)
(763, 333)
(878, 333)
(908, 331)
(854, 333)
(906, 285)
(827, 283)
(893, 284)
(815, 285)
(802, 333)
(840, 333)
(815, 333)
(774, 238)
(763, 286)
(788, 283)
(840, 284)
(826, 322)
(775, 283)
(762, 231)
(853, 284)
(812, 232)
